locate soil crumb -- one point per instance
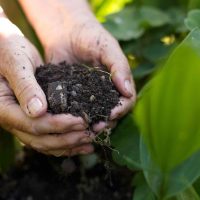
(79, 90)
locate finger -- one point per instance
(61, 123)
(101, 126)
(13, 117)
(112, 56)
(19, 71)
(83, 149)
(53, 142)
(120, 110)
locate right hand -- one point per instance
(26, 116)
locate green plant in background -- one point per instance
(9, 147)
(168, 107)
(159, 140)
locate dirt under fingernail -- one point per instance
(79, 90)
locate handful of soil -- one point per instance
(79, 90)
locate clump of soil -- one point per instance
(79, 90)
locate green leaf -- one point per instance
(177, 17)
(197, 185)
(193, 4)
(169, 111)
(143, 70)
(172, 183)
(132, 22)
(125, 140)
(193, 19)
(188, 194)
(142, 191)
(102, 8)
(152, 16)
(125, 24)
(7, 150)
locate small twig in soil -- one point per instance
(89, 68)
(99, 70)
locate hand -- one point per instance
(29, 121)
(86, 41)
(73, 34)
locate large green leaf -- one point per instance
(132, 21)
(193, 19)
(125, 140)
(168, 184)
(168, 111)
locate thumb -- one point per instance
(20, 75)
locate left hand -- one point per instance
(88, 42)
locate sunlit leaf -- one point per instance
(102, 8)
(168, 111)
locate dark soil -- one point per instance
(45, 178)
(78, 90)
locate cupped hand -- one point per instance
(86, 41)
(23, 104)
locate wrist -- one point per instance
(54, 19)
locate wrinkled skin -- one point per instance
(75, 36)
(100, 48)
(19, 59)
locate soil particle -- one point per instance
(79, 90)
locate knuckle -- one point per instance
(23, 88)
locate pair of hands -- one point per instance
(83, 41)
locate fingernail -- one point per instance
(34, 106)
(127, 85)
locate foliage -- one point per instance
(7, 150)
(167, 110)
(164, 60)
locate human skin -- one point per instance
(68, 31)
(19, 59)
(72, 33)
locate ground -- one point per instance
(40, 177)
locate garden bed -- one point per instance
(40, 177)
